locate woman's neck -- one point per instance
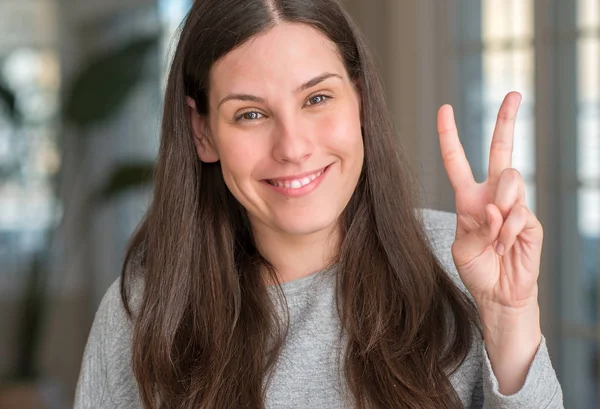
(297, 256)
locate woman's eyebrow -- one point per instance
(316, 80)
(308, 84)
(240, 97)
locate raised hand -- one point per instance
(498, 246)
(498, 239)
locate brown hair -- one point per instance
(206, 334)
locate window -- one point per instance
(550, 52)
(581, 287)
(497, 57)
(508, 64)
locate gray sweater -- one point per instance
(307, 374)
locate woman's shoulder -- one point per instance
(440, 227)
(112, 305)
(106, 379)
(438, 223)
(112, 317)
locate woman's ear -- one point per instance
(204, 145)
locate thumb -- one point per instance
(473, 244)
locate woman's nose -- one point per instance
(292, 143)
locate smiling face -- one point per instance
(284, 122)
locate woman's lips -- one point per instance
(299, 185)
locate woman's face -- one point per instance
(284, 122)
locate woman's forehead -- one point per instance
(284, 56)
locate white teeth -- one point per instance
(296, 183)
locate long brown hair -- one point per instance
(206, 334)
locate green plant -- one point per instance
(105, 82)
(96, 94)
(8, 99)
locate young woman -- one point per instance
(284, 263)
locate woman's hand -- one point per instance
(498, 246)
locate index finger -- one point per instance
(456, 163)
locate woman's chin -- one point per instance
(305, 226)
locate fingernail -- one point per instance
(500, 249)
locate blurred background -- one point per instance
(81, 84)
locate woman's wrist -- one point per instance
(512, 338)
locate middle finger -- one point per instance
(502, 141)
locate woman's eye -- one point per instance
(317, 99)
(249, 116)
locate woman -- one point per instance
(282, 262)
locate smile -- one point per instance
(298, 185)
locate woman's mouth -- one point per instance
(296, 183)
(297, 186)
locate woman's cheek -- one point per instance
(241, 158)
(338, 131)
